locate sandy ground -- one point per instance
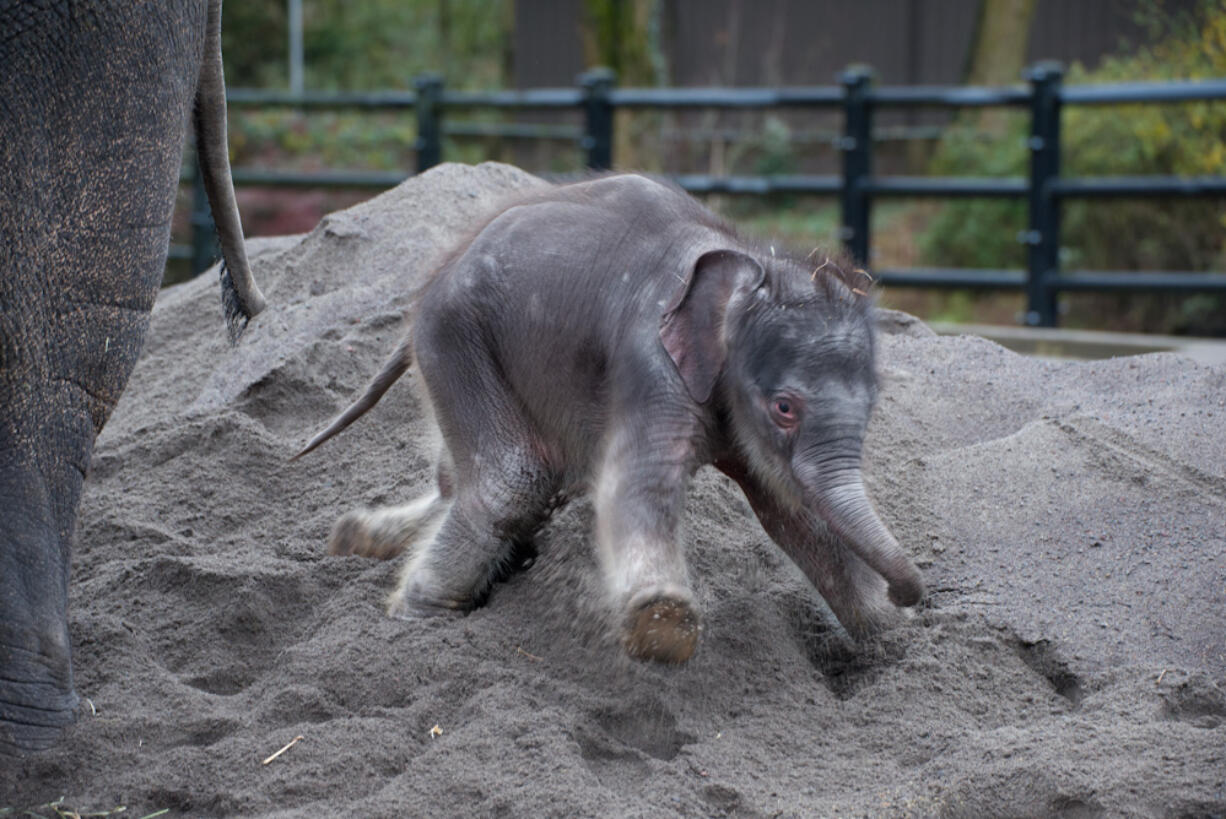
(1070, 520)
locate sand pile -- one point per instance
(1070, 520)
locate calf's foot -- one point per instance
(386, 533)
(661, 625)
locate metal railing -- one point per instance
(856, 188)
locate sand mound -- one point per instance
(1070, 519)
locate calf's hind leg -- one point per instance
(502, 486)
(388, 532)
(393, 530)
(475, 546)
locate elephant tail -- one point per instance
(395, 366)
(240, 296)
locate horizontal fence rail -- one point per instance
(597, 98)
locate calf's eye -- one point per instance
(785, 411)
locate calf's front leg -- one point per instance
(639, 500)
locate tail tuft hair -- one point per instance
(236, 318)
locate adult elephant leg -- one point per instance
(65, 356)
(94, 106)
(36, 689)
(56, 391)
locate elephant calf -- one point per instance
(613, 336)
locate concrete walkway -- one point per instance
(1089, 344)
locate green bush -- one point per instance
(1187, 139)
(369, 45)
(372, 44)
(978, 233)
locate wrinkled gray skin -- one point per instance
(613, 336)
(95, 98)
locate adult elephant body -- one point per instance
(95, 98)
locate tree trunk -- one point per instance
(623, 35)
(998, 52)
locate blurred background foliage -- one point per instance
(372, 44)
(1187, 139)
(356, 46)
(384, 44)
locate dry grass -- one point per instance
(58, 810)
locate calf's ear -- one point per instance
(692, 326)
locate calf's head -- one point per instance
(787, 352)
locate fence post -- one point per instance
(204, 232)
(857, 147)
(429, 142)
(1043, 236)
(598, 118)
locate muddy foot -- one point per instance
(662, 629)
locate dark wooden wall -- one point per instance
(802, 42)
(807, 42)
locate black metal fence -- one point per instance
(857, 187)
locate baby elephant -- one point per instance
(612, 336)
